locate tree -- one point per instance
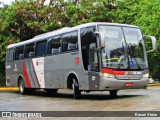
(24, 19)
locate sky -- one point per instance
(9, 2)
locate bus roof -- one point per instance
(65, 30)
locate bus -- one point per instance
(96, 56)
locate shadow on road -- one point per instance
(84, 96)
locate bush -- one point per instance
(2, 80)
(2, 74)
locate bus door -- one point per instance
(90, 56)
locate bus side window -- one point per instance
(21, 56)
(40, 49)
(29, 50)
(54, 45)
(19, 52)
(9, 55)
(70, 41)
(31, 54)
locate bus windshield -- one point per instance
(124, 48)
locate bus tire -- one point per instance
(76, 91)
(22, 88)
(113, 93)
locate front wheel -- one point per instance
(76, 91)
(113, 93)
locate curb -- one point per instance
(157, 84)
(16, 88)
(8, 88)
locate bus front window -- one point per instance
(124, 48)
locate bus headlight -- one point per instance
(146, 75)
(108, 75)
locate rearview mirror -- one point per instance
(154, 42)
(101, 39)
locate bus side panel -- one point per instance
(26, 73)
(72, 64)
(9, 72)
(38, 72)
(53, 68)
(87, 80)
(58, 67)
(23, 68)
(14, 71)
(32, 73)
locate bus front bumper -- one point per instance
(115, 84)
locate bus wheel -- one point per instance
(76, 91)
(22, 88)
(113, 93)
(51, 91)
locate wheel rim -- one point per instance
(73, 87)
(21, 86)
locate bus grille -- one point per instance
(128, 77)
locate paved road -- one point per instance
(127, 100)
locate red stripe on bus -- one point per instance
(35, 74)
(25, 75)
(115, 72)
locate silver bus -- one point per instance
(96, 56)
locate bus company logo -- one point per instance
(39, 63)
